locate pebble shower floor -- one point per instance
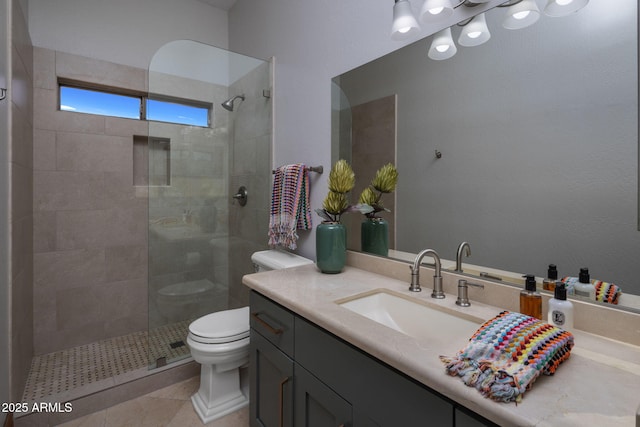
(64, 371)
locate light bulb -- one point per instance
(442, 46)
(435, 11)
(404, 23)
(474, 32)
(557, 8)
(521, 15)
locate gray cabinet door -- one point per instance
(316, 405)
(467, 419)
(271, 373)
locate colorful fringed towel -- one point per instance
(508, 353)
(289, 205)
(605, 291)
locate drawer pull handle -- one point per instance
(275, 331)
(281, 412)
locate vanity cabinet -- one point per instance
(270, 363)
(326, 381)
(316, 404)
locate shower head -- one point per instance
(228, 104)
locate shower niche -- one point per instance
(199, 240)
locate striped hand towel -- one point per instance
(508, 353)
(605, 291)
(289, 205)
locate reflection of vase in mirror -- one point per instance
(538, 130)
(374, 236)
(373, 136)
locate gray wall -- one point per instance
(16, 220)
(538, 130)
(5, 308)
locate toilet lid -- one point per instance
(227, 325)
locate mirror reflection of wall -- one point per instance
(538, 130)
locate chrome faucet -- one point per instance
(463, 245)
(463, 296)
(437, 278)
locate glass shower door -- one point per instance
(191, 173)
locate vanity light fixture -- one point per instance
(435, 10)
(521, 15)
(558, 8)
(474, 32)
(404, 23)
(442, 46)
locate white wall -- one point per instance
(313, 41)
(123, 31)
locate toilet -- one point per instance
(220, 343)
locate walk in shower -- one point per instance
(131, 191)
(200, 236)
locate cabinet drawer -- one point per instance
(272, 321)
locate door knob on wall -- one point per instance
(241, 195)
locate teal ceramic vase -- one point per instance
(331, 247)
(374, 236)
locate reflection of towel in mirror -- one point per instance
(605, 291)
(507, 353)
(289, 205)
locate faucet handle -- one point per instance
(463, 295)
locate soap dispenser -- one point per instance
(560, 310)
(584, 288)
(549, 284)
(530, 298)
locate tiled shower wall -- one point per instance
(250, 166)
(90, 222)
(21, 149)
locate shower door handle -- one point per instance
(3, 93)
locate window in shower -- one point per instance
(176, 112)
(98, 102)
(91, 99)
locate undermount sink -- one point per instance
(412, 317)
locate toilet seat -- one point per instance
(221, 327)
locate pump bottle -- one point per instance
(530, 298)
(560, 310)
(584, 288)
(549, 284)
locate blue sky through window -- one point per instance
(111, 104)
(171, 112)
(102, 103)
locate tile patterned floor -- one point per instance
(167, 407)
(62, 372)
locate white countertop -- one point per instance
(599, 385)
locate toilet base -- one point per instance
(220, 394)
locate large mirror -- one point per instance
(537, 132)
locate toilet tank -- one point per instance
(275, 259)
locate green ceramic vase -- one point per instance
(331, 247)
(374, 236)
